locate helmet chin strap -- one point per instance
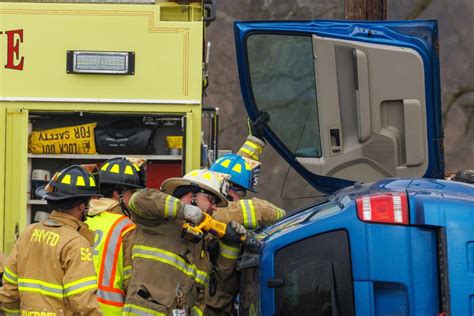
(84, 213)
(194, 199)
(123, 206)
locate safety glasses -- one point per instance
(212, 199)
(239, 190)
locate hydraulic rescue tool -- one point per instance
(222, 230)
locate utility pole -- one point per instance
(365, 9)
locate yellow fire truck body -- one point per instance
(65, 63)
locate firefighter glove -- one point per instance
(256, 127)
(252, 244)
(191, 213)
(233, 232)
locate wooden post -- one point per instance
(365, 9)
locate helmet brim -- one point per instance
(169, 185)
(122, 184)
(248, 189)
(51, 196)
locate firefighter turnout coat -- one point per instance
(50, 270)
(251, 213)
(112, 230)
(168, 272)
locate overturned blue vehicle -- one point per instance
(355, 109)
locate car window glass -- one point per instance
(317, 277)
(282, 74)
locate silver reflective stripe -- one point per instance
(202, 277)
(250, 151)
(40, 288)
(165, 257)
(228, 251)
(248, 214)
(69, 290)
(127, 271)
(171, 207)
(10, 276)
(109, 251)
(110, 296)
(138, 310)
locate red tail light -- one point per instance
(390, 208)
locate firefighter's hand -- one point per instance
(191, 213)
(256, 127)
(252, 244)
(233, 232)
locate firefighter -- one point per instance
(119, 178)
(50, 270)
(243, 169)
(170, 273)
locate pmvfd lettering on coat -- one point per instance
(45, 236)
(14, 59)
(31, 313)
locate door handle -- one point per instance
(335, 140)
(361, 83)
(275, 283)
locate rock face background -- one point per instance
(278, 183)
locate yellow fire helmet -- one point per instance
(201, 180)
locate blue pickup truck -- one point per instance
(355, 109)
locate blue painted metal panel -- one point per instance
(394, 267)
(418, 35)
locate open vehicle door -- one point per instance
(348, 101)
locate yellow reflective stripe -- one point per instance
(164, 257)
(138, 310)
(228, 251)
(248, 213)
(10, 312)
(257, 148)
(202, 277)
(250, 152)
(80, 286)
(131, 203)
(134, 208)
(280, 213)
(251, 144)
(171, 207)
(10, 276)
(38, 286)
(196, 311)
(127, 272)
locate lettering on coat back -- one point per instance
(33, 313)
(45, 236)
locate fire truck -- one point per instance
(84, 81)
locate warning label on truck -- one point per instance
(77, 139)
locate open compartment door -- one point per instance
(347, 101)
